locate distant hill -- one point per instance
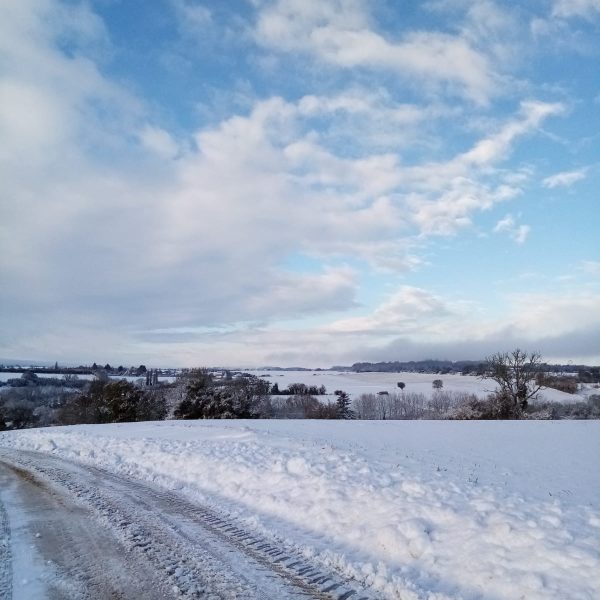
(466, 367)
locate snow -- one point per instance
(414, 509)
(22, 569)
(356, 384)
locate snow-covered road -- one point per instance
(413, 510)
(71, 531)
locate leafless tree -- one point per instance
(515, 373)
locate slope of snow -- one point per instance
(415, 510)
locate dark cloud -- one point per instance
(584, 343)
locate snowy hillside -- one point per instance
(415, 510)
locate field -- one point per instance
(356, 384)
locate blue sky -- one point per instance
(298, 181)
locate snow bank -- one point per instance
(416, 510)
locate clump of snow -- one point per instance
(412, 509)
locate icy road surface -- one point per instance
(71, 531)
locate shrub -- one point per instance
(302, 406)
(107, 401)
(564, 384)
(242, 397)
(18, 414)
(495, 406)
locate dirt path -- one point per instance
(103, 536)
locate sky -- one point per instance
(299, 182)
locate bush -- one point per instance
(495, 406)
(302, 406)
(108, 401)
(244, 397)
(208, 403)
(18, 414)
(566, 410)
(564, 384)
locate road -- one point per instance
(69, 531)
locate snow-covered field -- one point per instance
(414, 509)
(356, 384)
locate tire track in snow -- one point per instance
(202, 553)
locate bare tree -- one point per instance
(515, 373)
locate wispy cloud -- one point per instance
(587, 9)
(564, 178)
(342, 33)
(509, 225)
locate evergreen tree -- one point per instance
(343, 405)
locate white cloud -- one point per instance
(496, 147)
(564, 179)
(342, 33)
(216, 224)
(521, 234)
(517, 232)
(558, 26)
(576, 8)
(461, 186)
(406, 311)
(371, 118)
(159, 141)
